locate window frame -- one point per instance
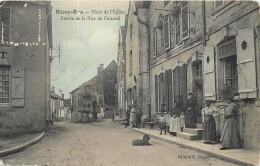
(155, 52)
(166, 20)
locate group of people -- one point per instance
(230, 135)
(107, 113)
(133, 115)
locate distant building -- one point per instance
(100, 91)
(57, 106)
(25, 49)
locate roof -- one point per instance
(55, 96)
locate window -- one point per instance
(227, 68)
(185, 19)
(230, 72)
(165, 3)
(198, 70)
(177, 29)
(4, 85)
(131, 31)
(5, 24)
(181, 22)
(166, 32)
(130, 63)
(220, 4)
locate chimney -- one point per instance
(53, 89)
(62, 95)
(100, 68)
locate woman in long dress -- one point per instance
(230, 137)
(191, 113)
(209, 127)
(175, 121)
(133, 119)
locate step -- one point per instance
(193, 131)
(188, 136)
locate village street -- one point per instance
(102, 143)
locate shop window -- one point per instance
(4, 24)
(4, 85)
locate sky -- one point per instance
(84, 43)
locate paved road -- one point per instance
(104, 143)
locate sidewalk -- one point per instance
(238, 156)
(10, 145)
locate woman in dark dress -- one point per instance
(209, 127)
(191, 113)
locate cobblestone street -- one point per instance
(104, 143)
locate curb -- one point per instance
(213, 154)
(19, 148)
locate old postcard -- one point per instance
(128, 83)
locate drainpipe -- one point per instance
(204, 22)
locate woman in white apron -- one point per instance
(175, 121)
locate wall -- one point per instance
(30, 117)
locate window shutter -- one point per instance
(166, 86)
(170, 89)
(17, 86)
(166, 32)
(246, 63)
(156, 92)
(183, 84)
(154, 42)
(189, 77)
(209, 73)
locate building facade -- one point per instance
(121, 72)
(25, 48)
(137, 56)
(201, 47)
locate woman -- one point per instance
(162, 120)
(133, 116)
(209, 128)
(191, 113)
(175, 121)
(230, 137)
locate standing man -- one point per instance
(127, 116)
(191, 113)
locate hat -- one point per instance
(190, 93)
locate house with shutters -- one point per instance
(199, 47)
(25, 47)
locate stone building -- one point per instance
(121, 71)
(199, 47)
(25, 49)
(101, 88)
(137, 56)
